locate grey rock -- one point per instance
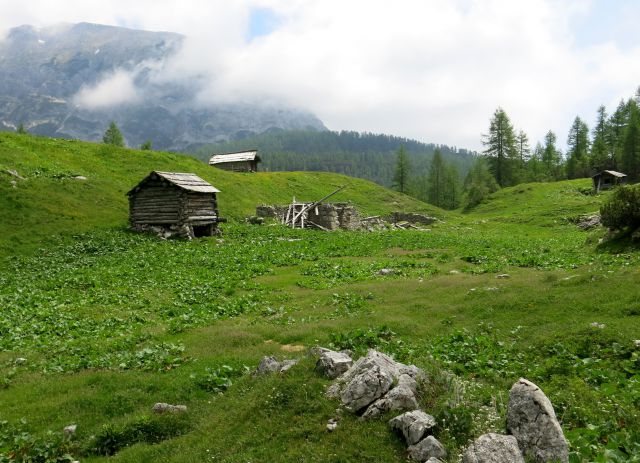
(386, 271)
(333, 391)
(272, 365)
(267, 365)
(413, 425)
(365, 388)
(162, 407)
(332, 364)
(332, 424)
(80, 177)
(70, 430)
(433, 460)
(427, 448)
(401, 397)
(531, 419)
(20, 361)
(503, 276)
(493, 448)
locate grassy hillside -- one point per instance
(50, 201)
(102, 325)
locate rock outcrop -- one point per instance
(427, 448)
(493, 448)
(272, 365)
(531, 419)
(332, 364)
(413, 425)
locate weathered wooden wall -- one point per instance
(242, 166)
(156, 203)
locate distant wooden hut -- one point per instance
(180, 202)
(241, 161)
(608, 179)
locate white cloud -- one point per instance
(114, 90)
(430, 69)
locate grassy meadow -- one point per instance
(98, 323)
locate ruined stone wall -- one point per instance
(411, 218)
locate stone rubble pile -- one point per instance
(376, 384)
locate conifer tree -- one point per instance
(402, 174)
(630, 155)
(551, 157)
(600, 158)
(452, 187)
(578, 150)
(478, 184)
(522, 145)
(21, 129)
(113, 136)
(500, 145)
(436, 180)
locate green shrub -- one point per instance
(622, 210)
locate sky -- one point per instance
(433, 70)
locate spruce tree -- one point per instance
(600, 158)
(478, 184)
(21, 129)
(551, 157)
(500, 145)
(630, 155)
(113, 136)
(578, 152)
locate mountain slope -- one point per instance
(69, 81)
(50, 200)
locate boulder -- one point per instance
(401, 397)
(413, 425)
(532, 421)
(427, 448)
(272, 365)
(161, 408)
(332, 364)
(366, 387)
(493, 448)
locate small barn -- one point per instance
(241, 161)
(608, 179)
(178, 203)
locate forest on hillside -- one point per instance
(364, 155)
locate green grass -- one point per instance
(50, 202)
(110, 322)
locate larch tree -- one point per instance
(402, 175)
(500, 145)
(551, 157)
(436, 180)
(630, 155)
(601, 153)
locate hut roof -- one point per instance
(610, 172)
(186, 181)
(239, 156)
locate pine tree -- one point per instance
(578, 152)
(600, 158)
(402, 174)
(522, 145)
(436, 179)
(501, 148)
(452, 187)
(21, 129)
(618, 124)
(146, 146)
(113, 136)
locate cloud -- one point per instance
(429, 69)
(114, 90)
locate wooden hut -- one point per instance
(180, 202)
(241, 161)
(608, 179)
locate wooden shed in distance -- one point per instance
(174, 203)
(608, 179)
(241, 161)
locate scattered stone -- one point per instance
(587, 222)
(255, 220)
(493, 448)
(414, 425)
(386, 271)
(503, 276)
(14, 173)
(14, 184)
(637, 343)
(531, 419)
(433, 460)
(597, 325)
(427, 448)
(267, 365)
(401, 397)
(70, 430)
(332, 424)
(161, 408)
(332, 364)
(80, 177)
(272, 365)
(454, 272)
(491, 288)
(410, 217)
(20, 361)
